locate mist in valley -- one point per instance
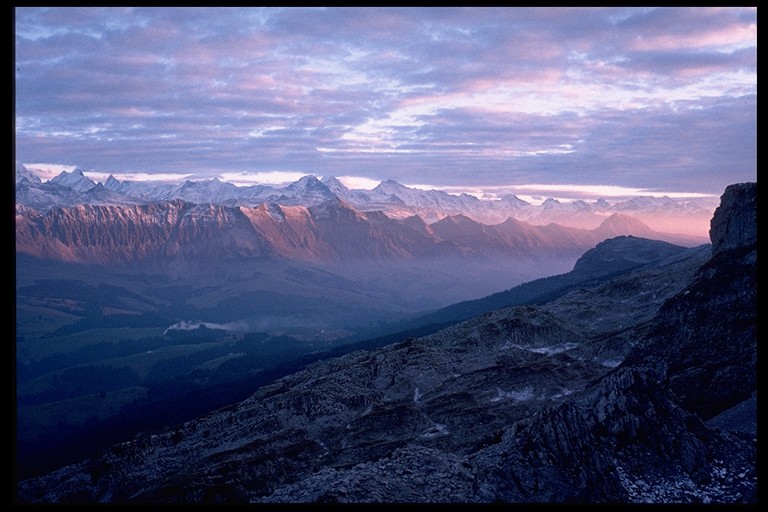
(105, 351)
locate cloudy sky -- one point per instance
(607, 101)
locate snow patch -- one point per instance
(436, 430)
(518, 396)
(191, 326)
(681, 489)
(276, 212)
(553, 349)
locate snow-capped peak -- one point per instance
(75, 180)
(334, 184)
(22, 172)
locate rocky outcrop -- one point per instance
(734, 223)
(623, 440)
(706, 336)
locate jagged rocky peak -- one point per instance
(111, 182)
(75, 180)
(550, 202)
(734, 223)
(602, 204)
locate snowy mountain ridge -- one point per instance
(663, 214)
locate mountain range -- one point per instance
(688, 217)
(637, 387)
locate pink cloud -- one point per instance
(731, 36)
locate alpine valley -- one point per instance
(203, 342)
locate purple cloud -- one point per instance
(446, 96)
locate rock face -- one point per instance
(522, 404)
(734, 223)
(329, 231)
(707, 335)
(623, 440)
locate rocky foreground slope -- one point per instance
(598, 396)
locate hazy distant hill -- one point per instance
(608, 259)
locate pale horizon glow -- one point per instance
(358, 182)
(604, 190)
(245, 179)
(536, 193)
(102, 177)
(660, 100)
(47, 172)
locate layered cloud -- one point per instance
(661, 98)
